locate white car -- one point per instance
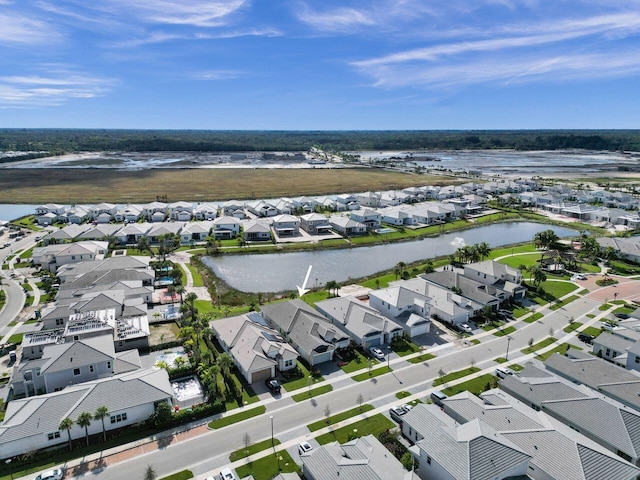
(578, 276)
(406, 407)
(376, 352)
(503, 372)
(466, 328)
(55, 474)
(304, 447)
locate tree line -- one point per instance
(57, 141)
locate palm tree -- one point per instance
(225, 362)
(101, 413)
(190, 300)
(67, 424)
(483, 250)
(546, 239)
(538, 275)
(180, 291)
(84, 420)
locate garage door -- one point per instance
(260, 375)
(419, 330)
(322, 357)
(374, 342)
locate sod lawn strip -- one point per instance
(339, 417)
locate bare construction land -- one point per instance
(104, 185)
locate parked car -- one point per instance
(578, 276)
(377, 353)
(55, 474)
(622, 316)
(608, 326)
(304, 447)
(466, 328)
(586, 338)
(406, 407)
(396, 413)
(437, 397)
(226, 474)
(273, 385)
(503, 372)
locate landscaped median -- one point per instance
(299, 397)
(237, 417)
(253, 449)
(371, 425)
(421, 358)
(361, 377)
(538, 346)
(339, 417)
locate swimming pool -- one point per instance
(384, 230)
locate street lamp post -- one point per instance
(272, 442)
(388, 355)
(506, 357)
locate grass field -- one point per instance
(268, 467)
(339, 417)
(371, 425)
(204, 184)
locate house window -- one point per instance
(428, 459)
(76, 371)
(608, 353)
(121, 417)
(59, 321)
(73, 257)
(53, 436)
(91, 368)
(109, 364)
(637, 360)
(288, 363)
(76, 338)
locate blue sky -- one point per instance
(330, 64)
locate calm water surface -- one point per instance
(284, 271)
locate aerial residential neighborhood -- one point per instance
(124, 327)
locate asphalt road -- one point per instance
(210, 451)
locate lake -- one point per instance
(284, 271)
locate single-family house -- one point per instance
(102, 211)
(626, 248)
(347, 226)
(129, 214)
(256, 232)
(54, 256)
(226, 227)
(398, 218)
(261, 208)
(498, 275)
(370, 218)
(368, 199)
(206, 211)
(257, 350)
(361, 458)
(195, 232)
(33, 423)
(306, 330)
(347, 202)
(181, 211)
(365, 325)
(77, 215)
(65, 234)
(131, 233)
(54, 208)
(405, 306)
(286, 225)
(315, 224)
(230, 207)
(156, 231)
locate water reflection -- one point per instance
(277, 272)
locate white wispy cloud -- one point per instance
(553, 50)
(199, 13)
(16, 29)
(213, 75)
(339, 19)
(52, 89)
(156, 37)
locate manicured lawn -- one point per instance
(197, 278)
(16, 338)
(561, 349)
(339, 417)
(626, 310)
(372, 425)
(27, 253)
(475, 385)
(299, 397)
(183, 475)
(516, 261)
(403, 394)
(501, 252)
(404, 347)
(533, 318)
(312, 297)
(269, 466)
(593, 331)
(558, 289)
(254, 448)
(516, 367)
(358, 362)
(203, 306)
(238, 417)
(421, 358)
(504, 331)
(455, 375)
(537, 346)
(571, 327)
(520, 311)
(474, 341)
(376, 372)
(604, 306)
(301, 382)
(500, 360)
(559, 305)
(584, 291)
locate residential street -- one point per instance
(210, 450)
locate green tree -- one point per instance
(84, 420)
(100, 414)
(225, 362)
(483, 250)
(67, 424)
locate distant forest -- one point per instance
(57, 141)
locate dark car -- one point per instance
(586, 338)
(622, 316)
(273, 385)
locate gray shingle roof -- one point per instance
(64, 356)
